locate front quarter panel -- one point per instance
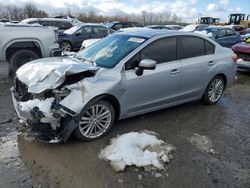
(105, 82)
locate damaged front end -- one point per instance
(37, 100)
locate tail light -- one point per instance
(234, 57)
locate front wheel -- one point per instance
(96, 121)
(66, 46)
(214, 90)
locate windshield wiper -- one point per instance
(84, 59)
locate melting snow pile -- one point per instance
(43, 105)
(141, 149)
(202, 143)
(205, 33)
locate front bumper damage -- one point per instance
(54, 125)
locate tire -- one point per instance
(88, 127)
(66, 46)
(214, 90)
(21, 57)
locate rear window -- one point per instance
(209, 47)
(192, 47)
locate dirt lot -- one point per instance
(27, 163)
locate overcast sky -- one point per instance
(188, 10)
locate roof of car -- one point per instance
(145, 32)
(46, 19)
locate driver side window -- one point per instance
(221, 33)
(162, 50)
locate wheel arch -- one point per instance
(107, 97)
(224, 78)
(15, 45)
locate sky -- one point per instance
(188, 10)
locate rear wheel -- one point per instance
(21, 57)
(214, 90)
(96, 121)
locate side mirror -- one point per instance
(147, 64)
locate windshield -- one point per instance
(71, 30)
(109, 51)
(212, 30)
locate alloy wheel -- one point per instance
(95, 121)
(215, 90)
(65, 46)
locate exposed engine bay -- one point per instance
(53, 107)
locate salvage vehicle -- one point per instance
(226, 37)
(125, 74)
(88, 42)
(194, 27)
(61, 24)
(20, 44)
(115, 25)
(175, 27)
(243, 53)
(71, 39)
(159, 27)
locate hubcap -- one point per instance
(66, 47)
(95, 121)
(215, 90)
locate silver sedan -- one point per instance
(125, 74)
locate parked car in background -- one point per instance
(125, 74)
(194, 27)
(159, 27)
(89, 42)
(72, 38)
(238, 28)
(119, 25)
(245, 35)
(4, 20)
(226, 37)
(175, 27)
(20, 44)
(243, 53)
(61, 24)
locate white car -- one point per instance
(88, 42)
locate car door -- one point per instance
(232, 37)
(80, 35)
(99, 32)
(221, 37)
(196, 62)
(155, 88)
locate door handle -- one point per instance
(174, 71)
(210, 63)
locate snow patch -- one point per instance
(205, 33)
(43, 105)
(137, 148)
(202, 143)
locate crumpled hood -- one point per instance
(49, 73)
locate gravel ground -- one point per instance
(212, 147)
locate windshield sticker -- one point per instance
(134, 39)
